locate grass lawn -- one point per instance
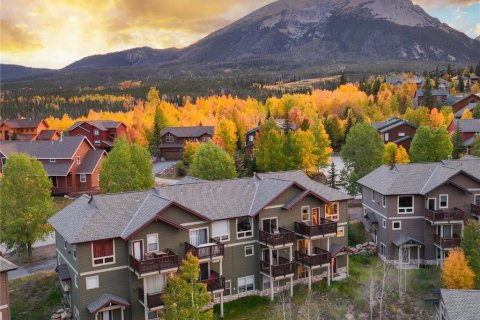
(347, 299)
(35, 297)
(61, 202)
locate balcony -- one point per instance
(447, 243)
(283, 269)
(157, 262)
(281, 238)
(154, 300)
(444, 215)
(322, 230)
(320, 257)
(475, 209)
(211, 250)
(215, 282)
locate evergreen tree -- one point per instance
(428, 99)
(458, 147)
(476, 146)
(471, 247)
(350, 120)
(332, 177)
(437, 77)
(159, 123)
(476, 111)
(25, 204)
(449, 70)
(343, 79)
(323, 149)
(376, 87)
(477, 69)
(211, 162)
(461, 84)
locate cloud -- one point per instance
(477, 29)
(443, 3)
(17, 37)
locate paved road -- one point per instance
(159, 167)
(32, 268)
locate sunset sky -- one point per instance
(55, 33)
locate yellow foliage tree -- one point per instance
(436, 118)
(307, 146)
(467, 114)
(456, 273)
(189, 151)
(401, 156)
(226, 136)
(389, 154)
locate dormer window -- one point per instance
(96, 132)
(169, 138)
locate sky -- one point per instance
(55, 33)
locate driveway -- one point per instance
(160, 167)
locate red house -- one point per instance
(469, 128)
(396, 130)
(101, 133)
(21, 129)
(72, 163)
(460, 104)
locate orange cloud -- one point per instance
(17, 37)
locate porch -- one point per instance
(206, 251)
(444, 215)
(325, 228)
(156, 262)
(278, 239)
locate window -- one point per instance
(97, 142)
(96, 132)
(405, 204)
(384, 224)
(78, 159)
(152, 242)
(244, 227)
(250, 138)
(396, 225)
(52, 160)
(83, 178)
(305, 214)
(270, 225)
(384, 201)
(249, 251)
(76, 313)
(169, 138)
(373, 195)
(386, 136)
(76, 280)
(221, 230)
(74, 250)
(443, 200)
(401, 134)
(199, 236)
(383, 249)
(65, 244)
(340, 231)
(245, 284)
(365, 212)
(103, 252)
(332, 211)
(4, 161)
(91, 282)
(228, 288)
(476, 199)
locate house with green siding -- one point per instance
(253, 236)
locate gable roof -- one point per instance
(6, 265)
(105, 300)
(189, 132)
(103, 125)
(64, 148)
(392, 123)
(210, 200)
(468, 125)
(418, 178)
(454, 99)
(461, 304)
(435, 92)
(22, 123)
(47, 134)
(469, 107)
(91, 161)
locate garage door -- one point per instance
(172, 155)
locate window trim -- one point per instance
(401, 134)
(248, 247)
(384, 223)
(384, 201)
(78, 160)
(400, 225)
(373, 195)
(245, 277)
(156, 236)
(96, 132)
(342, 228)
(92, 277)
(74, 251)
(75, 279)
(51, 160)
(308, 213)
(386, 136)
(195, 229)
(412, 208)
(382, 245)
(440, 201)
(475, 196)
(104, 263)
(244, 232)
(222, 235)
(96, 142)
(269, 218)
(83, 178)
(169, 138)
(65, 244)
(337, 213)
(76, 313)
(229, 286)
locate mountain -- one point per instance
(15, 72)
(477, 38)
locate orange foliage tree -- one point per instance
(456, 273)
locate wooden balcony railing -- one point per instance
(214, 282)
(284, 268)
(448, 242)
(444, 214)
(281, 238)
(325, 227)
(320, 257)
(208, 250)
(475, 209)
(157, 262)
(153, 300)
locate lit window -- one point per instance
(396, 225)
(169, 138)
(405, 204)
(244, 227)
(152, 242)
(91, 282)
(248, 251)
(443, 201)
(332, 211)
(305, 214)
(340, 231)
(103, 252)
(83, 178)
(251, 137)
(245, 284)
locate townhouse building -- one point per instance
(72, 163)
(100, 133)
(396, 130)
(173, 140)
(469, 129)
(254, 235)
(21, 129)
(416, 212)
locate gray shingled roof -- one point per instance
(460, 112)
(189, 132)
(90, 162)
(435, 92)
(385, 123)
(60, 149)
(22, 123)
(461, 304)
(189, 179)
(6, 265)
(46, 134)
(103, 125)
(104, 300)
(214, 200)
(57, 169)
(417, 178)
(468, 125)
(404, 239)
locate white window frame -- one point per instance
(386, 136)
(83, 178)
(475, 196)
(383, 248)
(169, 138)
(4, 161)
(104, 263)
(401, 134)
(244, 234)
(228, 286)
(87, 279)
(384, 201)
(399, 223)
(74, 251)
(75, 278)
(195, 229)
(76, 313)
(52, 160)
(96, 142)
(440, 201)
(384, 223)
(78, 160)
(373, 195)
(222, 237)
(96, 132)
(270, 218)
(341, 231)
(336, 215)
(406, 210)
(249, 247)
(250, 138)
(246, 287)
(307, 213)
(365, 212)
(156, 242)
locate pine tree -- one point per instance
(476, 111)
(428, 99)
(456, 273)
(461, 85)
(449, 70)
(476, 146)
(159, 123)
(332, 177)
(350, 120)
(343, 79)
(458, 147)
(437, 77)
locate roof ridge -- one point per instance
(429, 178)
(135, 214)
(257, 185)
